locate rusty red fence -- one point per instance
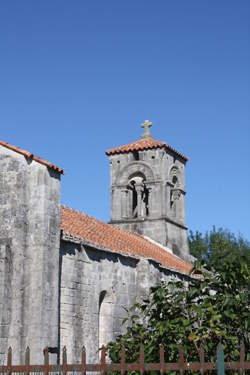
(103, 367)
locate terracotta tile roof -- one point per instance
(31, 156)
(147, 143)
(108, 237)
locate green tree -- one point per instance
(219, 246)
(205, 312)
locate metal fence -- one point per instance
(242, 366)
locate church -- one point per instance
(66, 277)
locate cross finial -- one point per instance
(146, 125)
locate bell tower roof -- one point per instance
(147, 142)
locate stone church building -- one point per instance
(65, 276)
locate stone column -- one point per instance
(149, 189)
(151, 200)
(130, 203)
(124, 204)
(163, 199)
(139, 190)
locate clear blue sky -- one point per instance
(78, 77)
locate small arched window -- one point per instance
(139, 195)
(174, 174)
(105, 318)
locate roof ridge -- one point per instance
(141, 140)
(31, 156)
(144, 144)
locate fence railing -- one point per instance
(103, 367)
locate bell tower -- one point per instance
(148, 191)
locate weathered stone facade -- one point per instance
(58, 285)
(148, 194)
(95, 286)
(29, 248)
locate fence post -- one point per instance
(202, 360)
(27, 360)
(141, 360)
(242, 357)
(103, 360)
(46, 360)
(162, 359)
(220, 360)
(83, 371)
(181, 360)
(123, 360)
(64, 361)
(9, 360)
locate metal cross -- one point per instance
(146, 125)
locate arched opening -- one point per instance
(175, 192)
(134, 198)
(175, 181)
(173, 195)
(145, 199)
(105, 318)
(139, 195)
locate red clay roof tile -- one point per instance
(31, 156)
(144, 144)
(107, 236)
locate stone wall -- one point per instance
(95, 286)
(55, 294)
(163, 176)
(29, 255)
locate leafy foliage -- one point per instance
(218, 247)
(199, 312)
